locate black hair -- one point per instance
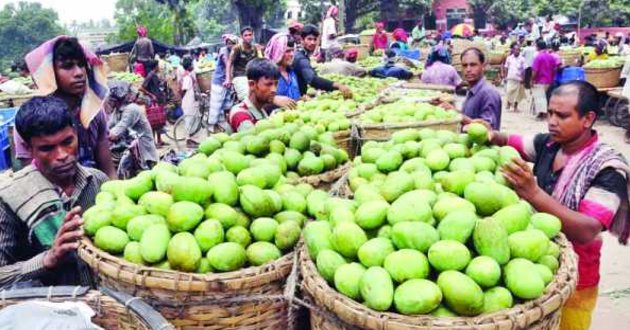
(247, 28)
(476, 51)
(529, 42)
(261, 68)
(390, 53)
(150, 65)
(42, 115)
(310, 30)
(187, 63)
(541, 44)
(69, 49)
(587, 95)
(514, 44)
(290, 41)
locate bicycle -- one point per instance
(182, 131)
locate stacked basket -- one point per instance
(252, 298)
(114, 310)
(336, 311)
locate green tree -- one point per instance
(132, 13)
(183, 26)
(255, 13)
(24, 26)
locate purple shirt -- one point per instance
(484, 102)
(441, 74)
(545, 67)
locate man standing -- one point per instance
(62, 67)
(305, 72)
(219, 93)
(40, 205)
(513, 71)
(483, 101)
(344, 64)
(142, 51)
(418, 34)
(240, 55)
(380, 41)
(543, 75)
(580, 180)
(329, 33)
(262, 76)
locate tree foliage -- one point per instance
(132, 13)
(24, 26)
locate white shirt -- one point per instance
(529, 53)
(189, 105)
(328, 29)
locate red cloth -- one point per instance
(156, 115)
(352, 53)
(138, 68)
(400, 35)
(380, 40)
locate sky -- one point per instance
(79, 10)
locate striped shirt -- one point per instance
(30, 210)
(601, 202)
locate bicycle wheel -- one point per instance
(185, 127)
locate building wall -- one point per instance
(445, 9)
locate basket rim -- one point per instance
(601, 70)
(105, 264)
(348, 310)
(414, 124)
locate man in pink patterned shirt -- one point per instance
(577, 178)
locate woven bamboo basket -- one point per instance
(117, 62)
(366, 39)
(383, 132)
(496, 58)
(114, 310)
(204, 79)
(335, 311)
(363, 49)
(570, 57)
(344, 140)
(15, 101)
(434, 87)
(325, 180)
(604, 77)
(249, 299)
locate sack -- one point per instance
(156, 115)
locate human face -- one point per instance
(309, 43)
(564, 123)
(248, 36)
(516, 50)
(472, 68)
(56, 154)
(71, 76)
(264, 89)
(287, 59)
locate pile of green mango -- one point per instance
(129, 77)
(215, 213)
(364, 89)
(432, 228)
(405, 111)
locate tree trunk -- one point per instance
(250, 15)
(389, 10)
(351, 15)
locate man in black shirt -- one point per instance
(305, 72)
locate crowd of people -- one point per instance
(66, 138)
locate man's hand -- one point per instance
(112, 138)
(66, 240)
(227, 84)
(522, 179)
(446, 105)
(285, 102)
(466, 121)
(345, 91)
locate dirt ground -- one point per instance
(613, 306)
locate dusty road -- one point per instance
(613, 306)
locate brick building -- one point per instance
(448, 13)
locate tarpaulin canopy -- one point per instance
(158, 47)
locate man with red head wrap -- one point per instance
(142, 51)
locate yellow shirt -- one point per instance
(593, 56)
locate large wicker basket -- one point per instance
(345, 141)
(383, 132)
(603, 77)
(114, 310)
(496, 58)
(570, 57)
(363, 49)
(204, 79)
(249, 299)
(335, 311)
(117, 62)
(325, 180)
(15, 101)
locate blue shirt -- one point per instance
(174, 60)
(219, 72)
(289, 87)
